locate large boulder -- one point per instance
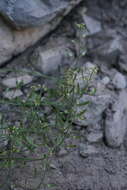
(35, 19)
(27, 13)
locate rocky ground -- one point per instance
(99, 159)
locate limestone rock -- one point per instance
(12, 94)
(13, 82)
(83, 78)
(62, 152)
(25, 14)
(119, 81)
(47, 60)
(105, 80)
(94, 137)
(106, 46)
(86, 150)
(92, 25)
(94, 109)
(116, 122)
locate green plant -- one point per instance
(44, 119)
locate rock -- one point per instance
(92, 25)
(105, 80)
(86, 150)
(13, 82)
(11, 94)
(48, 60)
(105, 46)
(101, 88)
(115, 45)
(62, 152)
(94, 109)
(13, 42)
(90, 66)
(31, 13)
(119, 81)
(122, 64)
(3, 143)
(116, 121)
(53, 55)
(87, 75)
(53, 166)
(94, 137)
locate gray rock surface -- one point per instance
(49, 59)
(27, 13)
(105, 80)
(15, 81)
(95, 108)
(86, 150)
(24, 14)
(92, 25)
(116, 122)
(87, 75)
(119, 81)
(12, 94)
(94, 137)
(62, 152)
